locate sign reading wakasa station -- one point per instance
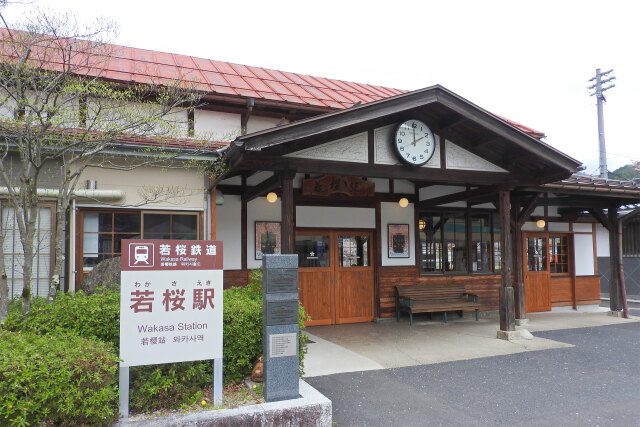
(170, 301)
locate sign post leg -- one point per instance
(217, 382)
(124, 392)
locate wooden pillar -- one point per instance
(518, 286)
(288, 215)
(507, 312)
(212, 212)
(615, 300)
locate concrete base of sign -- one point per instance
(311, 409)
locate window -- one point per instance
(313, 251)
(446, 246)
(103, 231)
(559, 254)
(14, 253)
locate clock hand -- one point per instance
(416, 140)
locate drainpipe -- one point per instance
(72, 246)
(245, 116)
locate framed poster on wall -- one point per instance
(398, 240)
(267, 238)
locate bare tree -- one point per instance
(59, 115)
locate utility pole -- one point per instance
(601, 78)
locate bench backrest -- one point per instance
(431, 291)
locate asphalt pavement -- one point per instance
(596, 382)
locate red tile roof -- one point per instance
(127, 64)
(216, 77)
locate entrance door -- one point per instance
(336, 275)
(536, 272)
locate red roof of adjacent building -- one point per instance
(127, 64)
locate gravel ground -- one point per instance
(597, 382)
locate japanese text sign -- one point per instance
(170, 301)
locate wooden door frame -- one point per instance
(333, 233)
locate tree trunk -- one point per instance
(58, 238)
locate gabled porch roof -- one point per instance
(527, 159)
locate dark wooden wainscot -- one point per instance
(486, 287)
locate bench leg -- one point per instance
(397, 313)
(411, 318)
(445, 317)
(460, 313)
(476, 314)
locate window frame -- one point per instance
(79, 267)
(469, 213)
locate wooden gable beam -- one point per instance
(601, 217)
(626, 217)
(528, 209)
(459, 196)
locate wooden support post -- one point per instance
(518, 286)
(288, 223)
(620, 272)
(212, 211)
(615, 299)
(507, 314)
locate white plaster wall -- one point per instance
(259, 209)
(392, 213)
(553, 211)
(602, 241)
(485, 206)
(583, 250)
(297, 180)
(582, 227)
(217, 125)
(258, 123)
(228, 227)
(135, 183)
(234, 180)
(401, 186)
(439, 190)
(382, 185)
(354, 148)
(257, 178)
(459, 158)
(558, 226)
(538, 211)
(336, 217)
(531, 226)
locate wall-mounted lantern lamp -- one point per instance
(272, 197)
(541, 223)
(404, 202)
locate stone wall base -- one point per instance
(312, 408)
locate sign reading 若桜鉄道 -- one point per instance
(170, 301)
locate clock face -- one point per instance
(414, 142)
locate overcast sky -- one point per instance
(528, 61)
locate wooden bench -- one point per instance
(434, 299)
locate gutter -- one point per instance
(101, 195)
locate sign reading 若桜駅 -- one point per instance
(170, 301)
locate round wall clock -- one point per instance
(414, 142)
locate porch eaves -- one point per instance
(450, 115)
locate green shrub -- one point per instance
(168, 385)
(242, 332)
(90, 316)
(56, 380)
(97, 316)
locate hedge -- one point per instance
(97, 316)
(57, 379)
